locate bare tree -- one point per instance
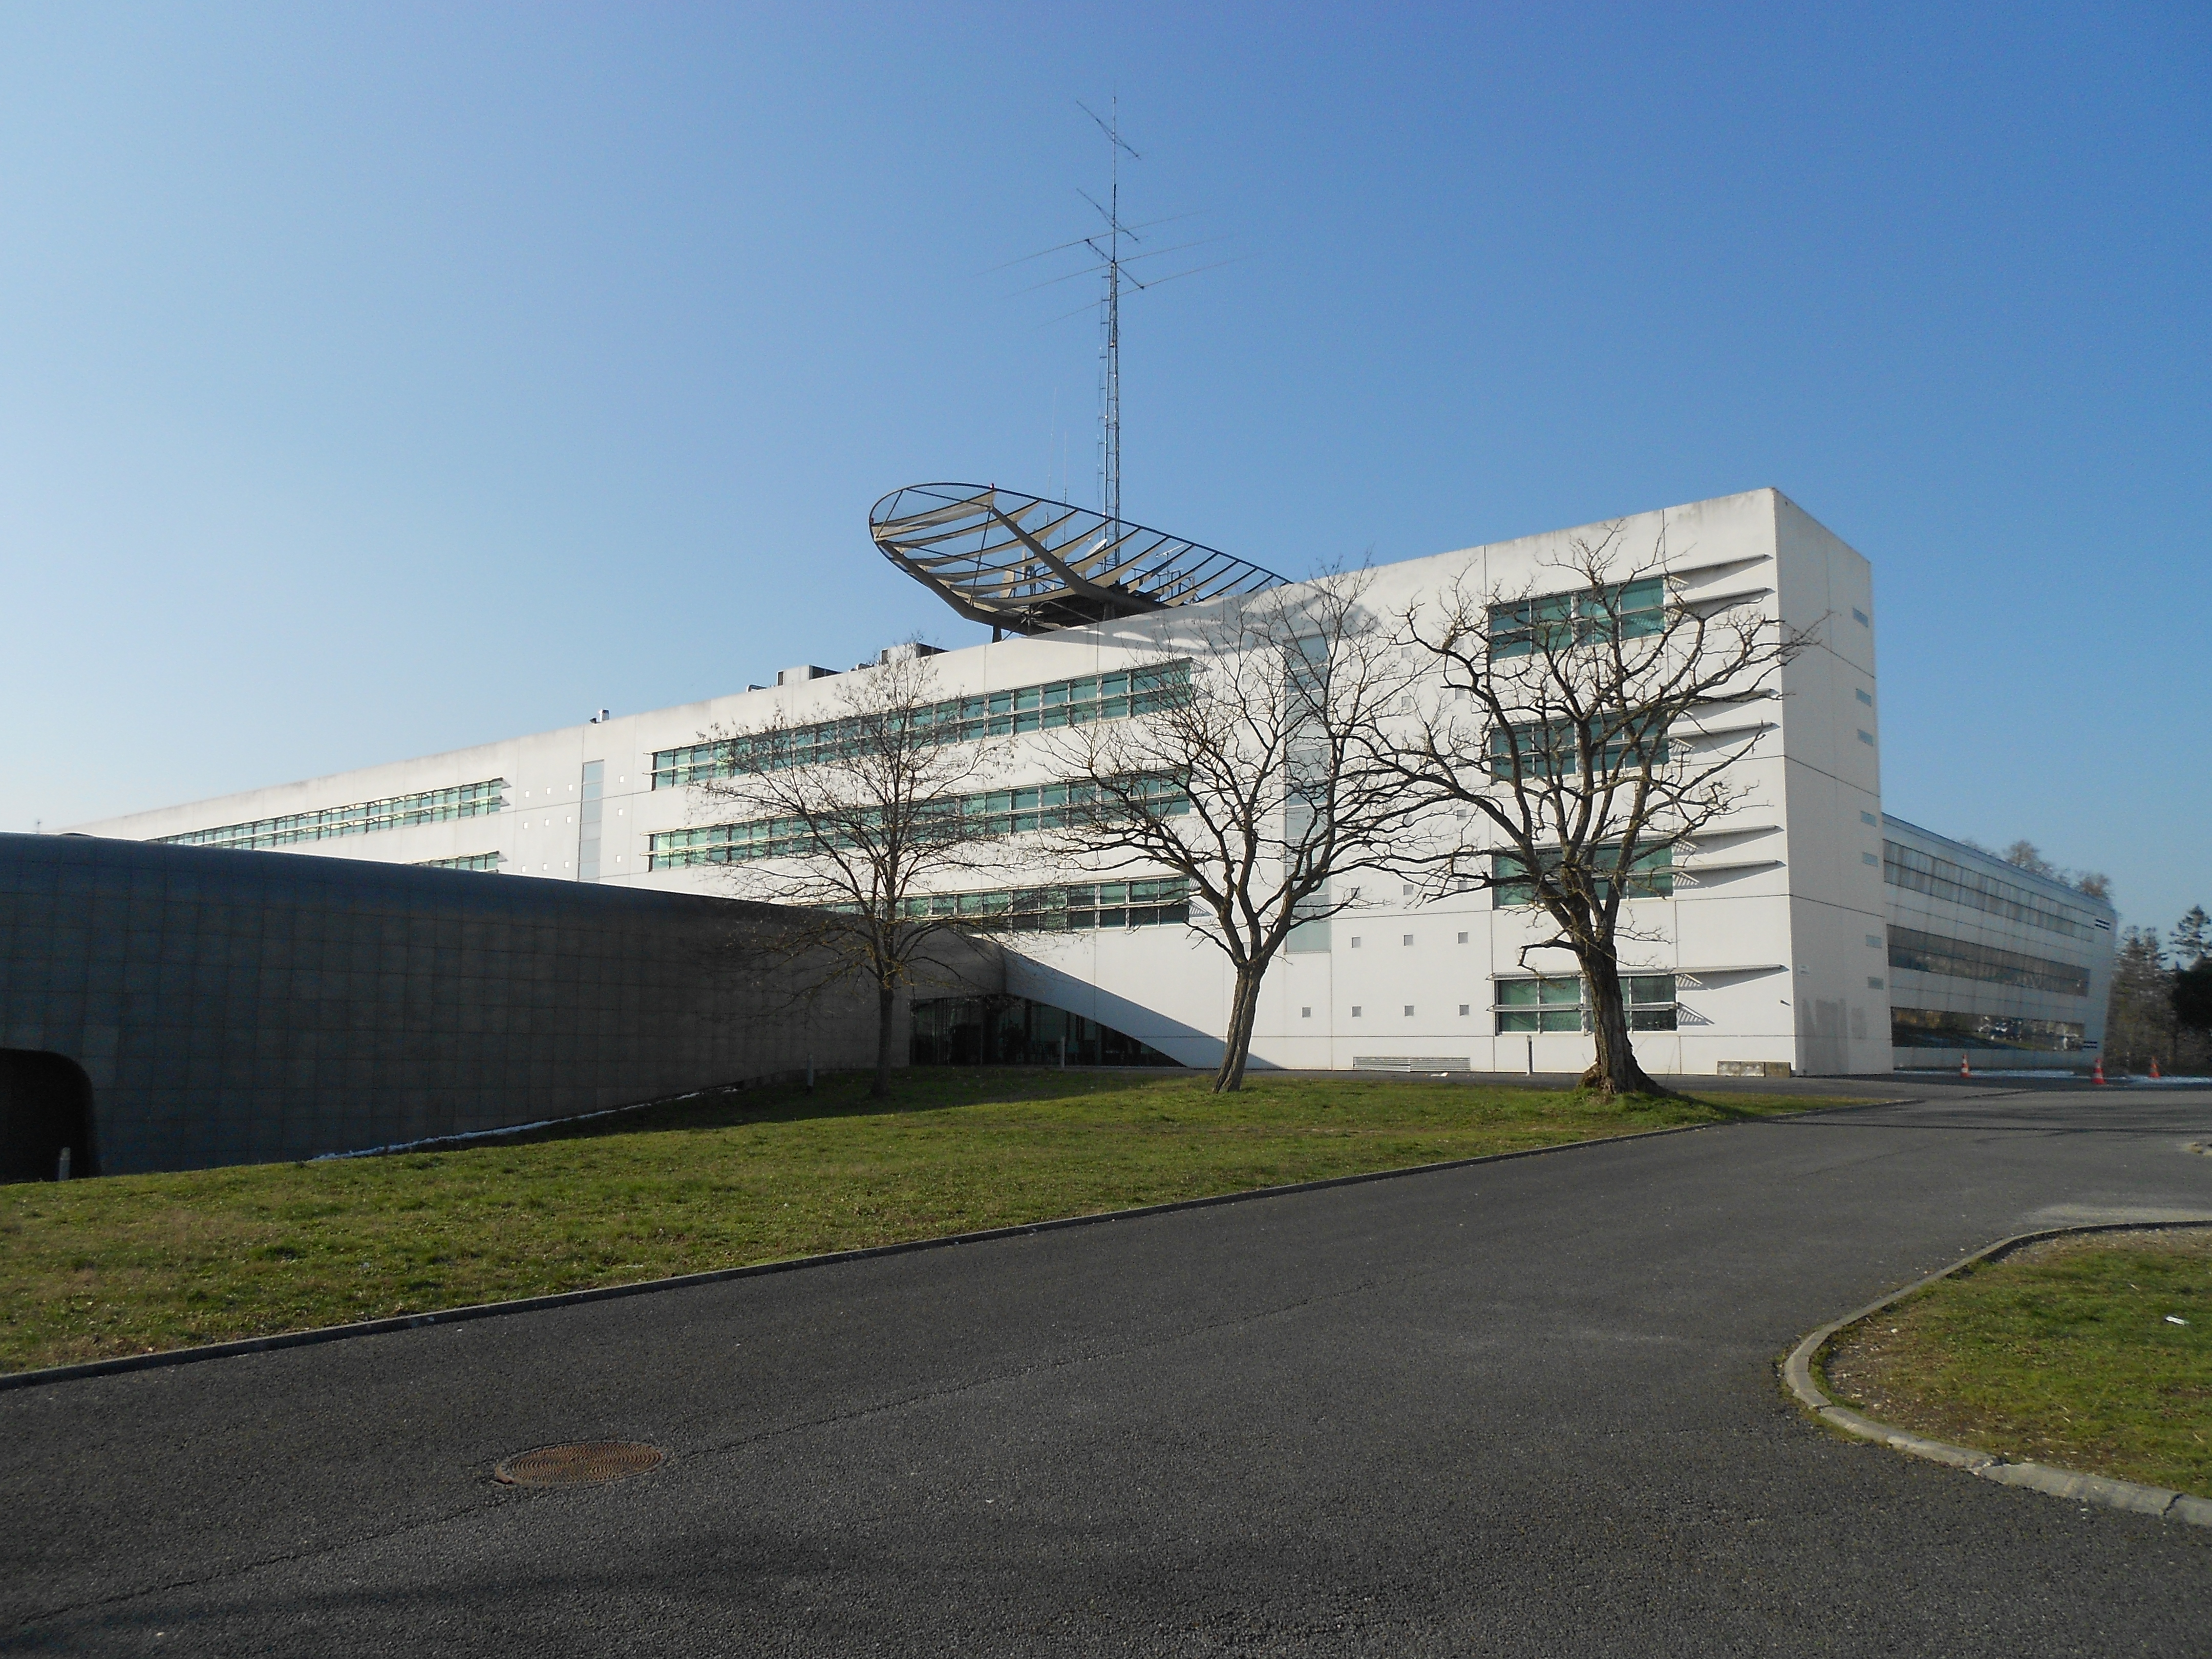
(1576, 734)
(855, 817)
(1251, 774)
(2026, 855)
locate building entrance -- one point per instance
(46, 1107)
(1002, 1030)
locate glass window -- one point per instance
(1538, 750)
(1940, 877)
(1025, 708)
(467, 800)
(487, 861)
(1929, 953)
(1554, 1003)
(1651, 876)
(1014, 1031)
(1929, 1028)
(994, 813)
(1557, 620)
(1156, 903)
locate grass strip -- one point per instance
(2092, 1353)
(132, 1264)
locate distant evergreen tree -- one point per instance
(2192, 937)
(2192, 997)
(2192, 982)
(2139, 1020)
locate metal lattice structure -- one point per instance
(1028, 565)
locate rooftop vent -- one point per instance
(908, 651)
(801, 674)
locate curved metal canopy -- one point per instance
(1029, 565)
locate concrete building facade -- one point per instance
(1768, 945)
(1989, 965)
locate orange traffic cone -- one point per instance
(2154, 1068)
(1964, 1070)
(2098, 1076)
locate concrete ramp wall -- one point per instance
(236, 1007)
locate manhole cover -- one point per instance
(585, 1463)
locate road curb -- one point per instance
(250, 1345)
(1797, 1374)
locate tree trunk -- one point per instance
(1243, 1009)
(886, 997)
(1616, 1070)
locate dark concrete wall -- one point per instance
(238, 1007)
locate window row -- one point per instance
(468, 800)
(995, 812)
(1556, 621)
(1927, 953)
(1084, 909)
(1541, 748)
(1651, 876)
(955, 719)
(1933, 1028)
(467, 861)
(1555, 1003)
(1940, 877)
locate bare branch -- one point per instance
(854, 819)
(1577, 734)
(1273, 738)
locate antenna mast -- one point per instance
(1109, 376)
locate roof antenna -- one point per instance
(1113, 261)
(1107, 247)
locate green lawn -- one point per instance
(131, 1263)
(2065, 1353)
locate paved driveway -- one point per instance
(1525, 1408)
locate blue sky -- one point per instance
(379, 379)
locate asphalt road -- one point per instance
(1523, 1408)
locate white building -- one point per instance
(1779, 944)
